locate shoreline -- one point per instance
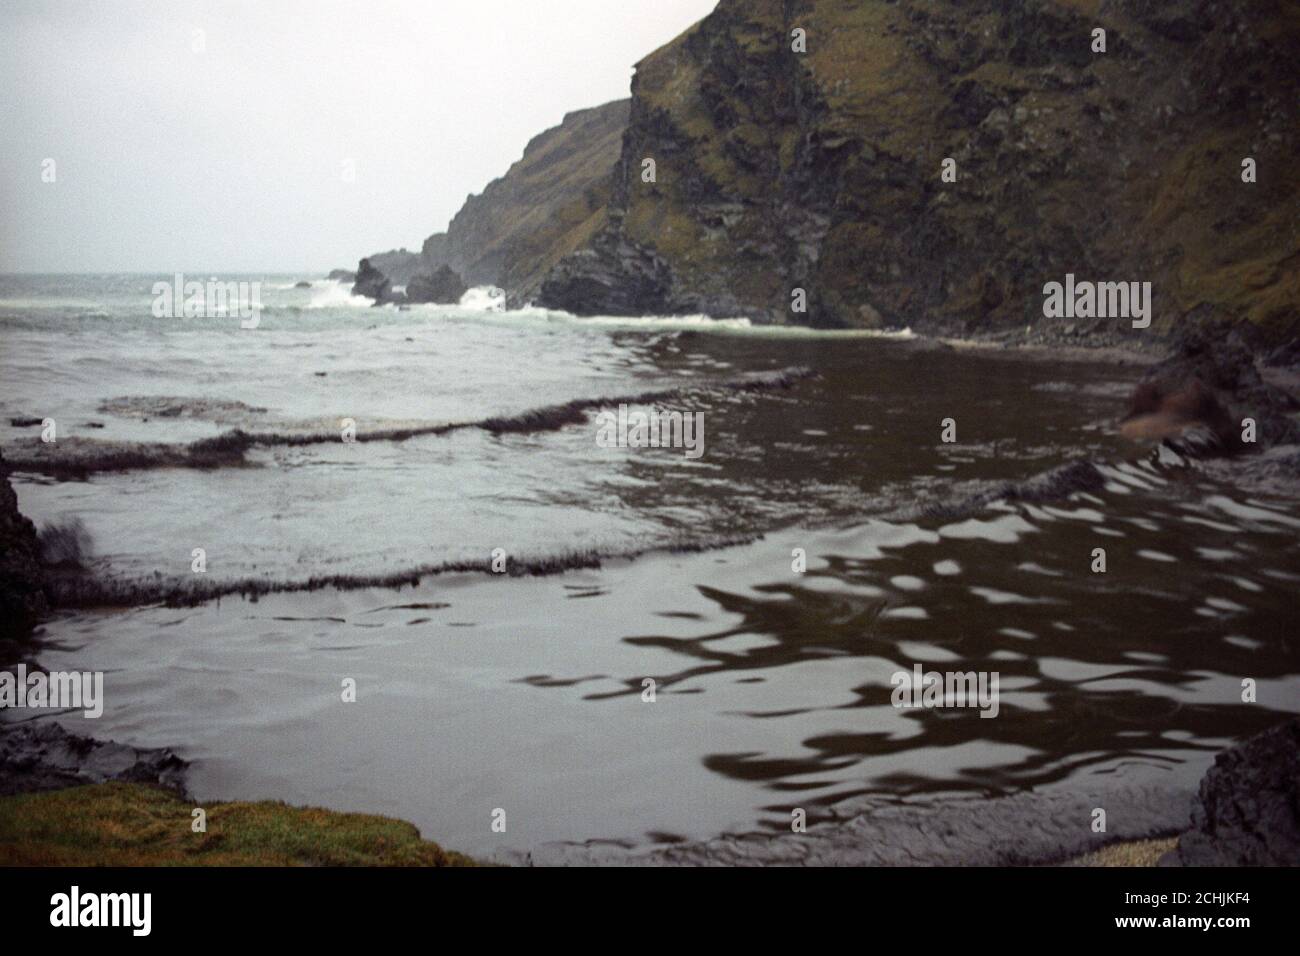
(117, 793)
(1025, 829)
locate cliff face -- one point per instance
(822, 170)
(551, 202)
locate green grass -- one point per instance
(1129, 853)
(122, 824)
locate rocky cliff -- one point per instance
(822, 170)
(22, 598)
(548, 204)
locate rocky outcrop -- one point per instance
(42, 755)
(398, 264)
(373, 284)
(443, 287)
(22, 598)
(342, 275)
(1203, 393)
(547, 205)
(777, 170)
(1249, 809)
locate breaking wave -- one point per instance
(78, 457)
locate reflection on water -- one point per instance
(772, 687)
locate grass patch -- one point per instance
(127, 824)
(1129, 853)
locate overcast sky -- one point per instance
(232, 156)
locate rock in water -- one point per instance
(1249, 811)
(42, 755)
(22, 597)
(1210, 385)
(443, 287)
(372, 283)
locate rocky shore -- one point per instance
(22, 595)
(920, 164)
(1247, 813)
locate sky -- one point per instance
(283, 135)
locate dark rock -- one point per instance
(302, 285)
(1249, 809)
(343, 275)
(613, 278)
(398, 264)
(1285, 356)
(373, 284)
(42, 755)
(22, 596)
(1201, 393)
(778, 171)
(443, 287)
(23, 421)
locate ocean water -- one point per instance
(480, 691)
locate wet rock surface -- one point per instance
(42, 755)
(442, 287)
(373, 284)
(1023, 829)
(1248, 813)
(1211, 382)
(777, 169)
(22, 598)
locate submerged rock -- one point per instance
(22, 595)
(442, 287)
(1249, 809)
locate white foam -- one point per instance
(484, 298)
(335, 295)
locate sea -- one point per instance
(438, 594)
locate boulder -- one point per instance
(443, 287)
(1249, 808)
(373, 284)
(1201, 393)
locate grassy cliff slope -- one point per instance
(777, 169)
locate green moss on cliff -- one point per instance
(822, 170)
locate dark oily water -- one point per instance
(772, 687)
